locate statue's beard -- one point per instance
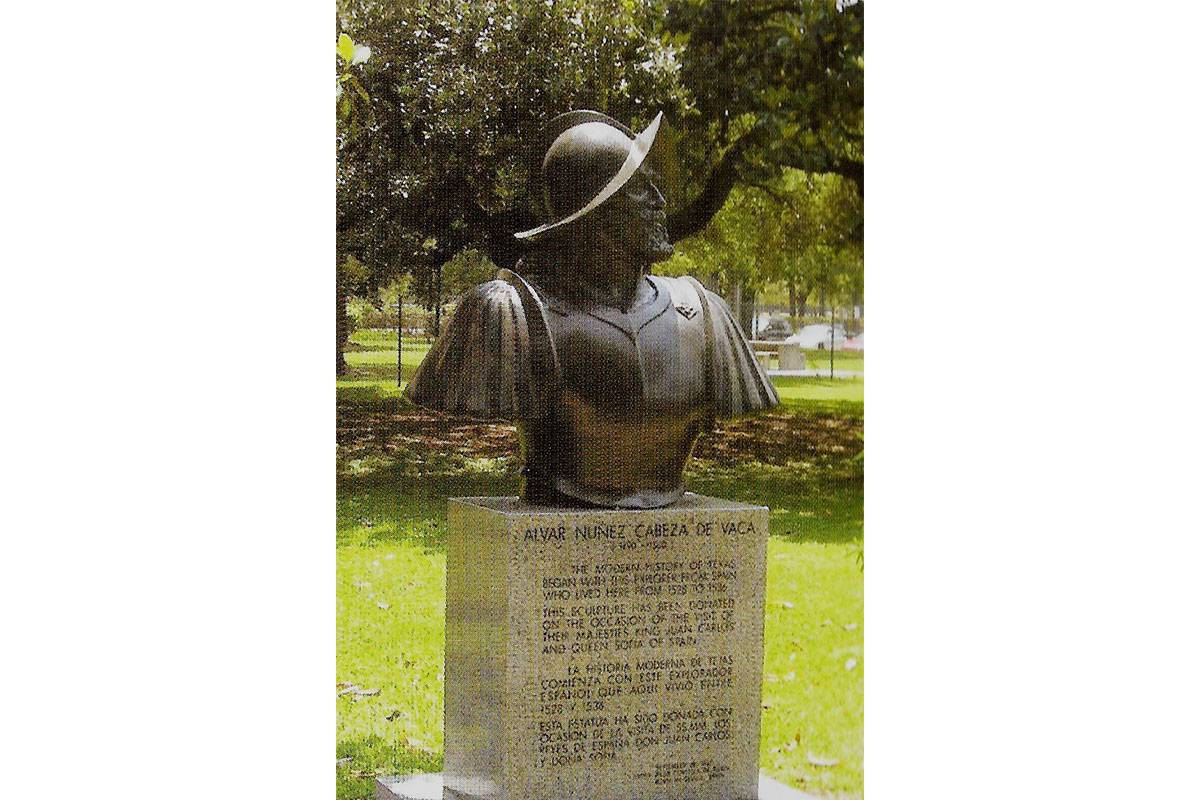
(640, 238)
(658, 245)
(610, 252)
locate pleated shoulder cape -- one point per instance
(497, 359)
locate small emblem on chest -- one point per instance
(687, 311)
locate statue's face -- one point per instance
(635, 220)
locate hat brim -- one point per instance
(637, 154)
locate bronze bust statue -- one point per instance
(609, 372)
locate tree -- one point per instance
(440, 149)
(460, 90)
(798, 229)
(358, 272)
(771, 85)
(822, 220)
(445, 158)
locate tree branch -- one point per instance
(764, 12)
(696, 215)
(850, 170)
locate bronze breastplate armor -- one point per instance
(629, 403)
(608, 402)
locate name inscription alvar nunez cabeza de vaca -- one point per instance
(634, 532)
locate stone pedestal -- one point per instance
(791, 357)
(603, 654)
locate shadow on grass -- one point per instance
(372, 387)
(395, 471)
(372, 756)
(373, 397)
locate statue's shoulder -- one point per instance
(496, 293)
(687, 295)
(737, 384)
(494, 361)
(685, 287)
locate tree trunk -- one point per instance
(343, 329)
(792, 299)
(746, 319)
(437, 309)
(504, 249)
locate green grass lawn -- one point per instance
(391, 588)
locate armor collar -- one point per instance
(628, 322)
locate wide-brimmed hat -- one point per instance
(589, 156)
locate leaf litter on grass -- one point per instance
(426, 442)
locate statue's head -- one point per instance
(600, 186)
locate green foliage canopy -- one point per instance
(459, 91)
(436, 154)
(798, 230)
(771, 85)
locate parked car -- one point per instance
(816, 337)
(776, 330)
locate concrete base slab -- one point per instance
(428, 786)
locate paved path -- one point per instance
(428, 786)
(812, 373)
